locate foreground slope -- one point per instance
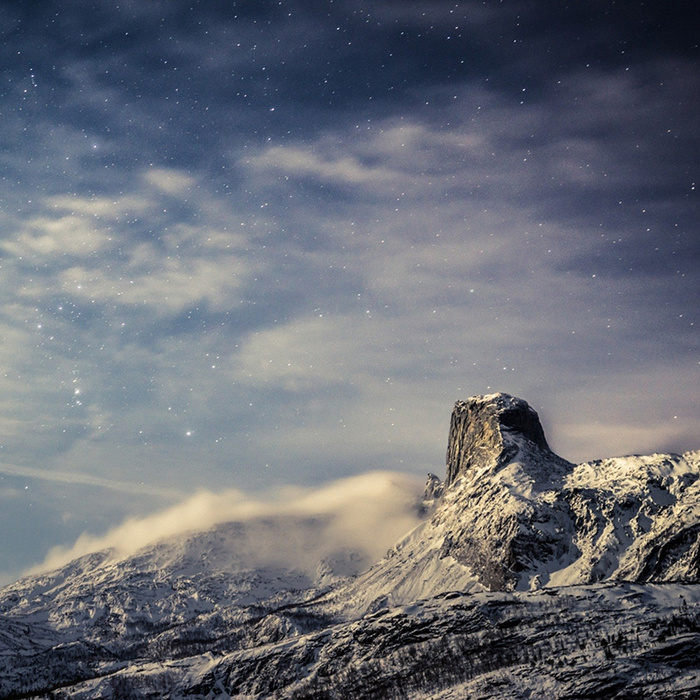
(603, 641)
(528, 577)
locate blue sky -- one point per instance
(248, 244)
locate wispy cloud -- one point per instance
(363, 515)
(81, 478)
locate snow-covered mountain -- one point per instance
(527, 576)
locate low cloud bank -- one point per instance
(361, 516)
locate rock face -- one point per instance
(488, 431)
(502, 481)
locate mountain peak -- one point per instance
(489, 431)
(232, 610)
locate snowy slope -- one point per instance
(626, 519)
(105, 609)
(527, 577)
(603, 641)
(514, 516)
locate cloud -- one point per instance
(65, 477)
(108, 208)
(364, 514)
(46, 237)
(300, 162)
(396, 157)
(172, 182)
(168, 270)
(163, 284)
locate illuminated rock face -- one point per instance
(489, 431)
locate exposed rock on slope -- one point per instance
(636, 519)
(500, 466)
(518, 516)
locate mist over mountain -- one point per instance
(364, 514)
(518, 575)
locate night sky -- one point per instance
(247, 244)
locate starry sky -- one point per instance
(253, 243)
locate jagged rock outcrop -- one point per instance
(434, 489)
(504, 482)
(524, 517)
(489, 431)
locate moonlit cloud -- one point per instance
(172, 182)
(364, 515)
(78, 478)
(68, 236)
(299, 163)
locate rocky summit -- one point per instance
(526, 577)
(489, 431)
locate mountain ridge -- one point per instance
(515, 516)
(512, 533)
